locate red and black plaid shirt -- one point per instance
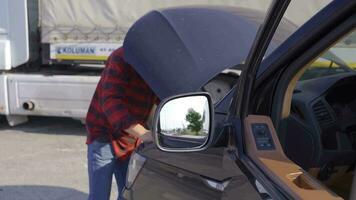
(121, 99)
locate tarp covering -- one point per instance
(99, 21)
(102, 20)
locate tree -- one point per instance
(195, 121)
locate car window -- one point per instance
(340, 58)
(322, 67)
(219, 86)
(294, 17)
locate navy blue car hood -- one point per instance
(178, 50)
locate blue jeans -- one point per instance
(101, 167)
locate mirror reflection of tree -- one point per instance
(195, 121)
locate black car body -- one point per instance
(184, 50)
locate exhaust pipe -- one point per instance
(28, 105)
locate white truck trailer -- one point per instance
(52, 51)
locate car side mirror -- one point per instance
(184, 123)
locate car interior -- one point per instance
(317, 123)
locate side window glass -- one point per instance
(340, 58)
(322, 67)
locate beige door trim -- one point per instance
(292, 178)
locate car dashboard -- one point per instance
(323, 119)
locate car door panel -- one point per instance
(191, 176)
(161, 181)
(264, 148)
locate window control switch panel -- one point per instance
(262, 136)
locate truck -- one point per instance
(52, 52)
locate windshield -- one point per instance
(340, 58)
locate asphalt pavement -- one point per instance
(44, 159)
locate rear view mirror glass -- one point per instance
(184, 123)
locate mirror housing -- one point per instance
(184, 123)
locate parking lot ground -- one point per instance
(44, 159)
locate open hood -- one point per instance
(178, 50)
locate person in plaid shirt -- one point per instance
(122, 102)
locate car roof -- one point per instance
(178, 50)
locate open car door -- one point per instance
(257, 147)
(261, 146)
